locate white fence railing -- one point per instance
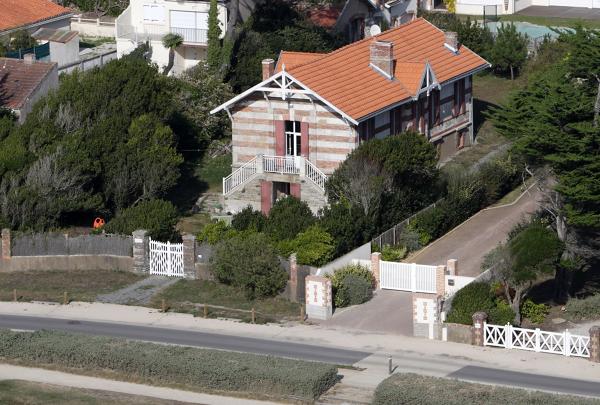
(192, 35)
(239, 177)
(314, 174)
(166, 259)
(536, 340)
(407, 277)
(281, 164)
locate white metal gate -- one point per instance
(407, 277)
(536, 340)
(166, 259)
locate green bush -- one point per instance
(501, 314)
(248, 219)
(536, 313)
(409, 238)
(158, 217)
(393, 253)
(354, 290)
(314, 246)
(250, 262)
(354, 271)
(499, 177)
(584, 308)
(416, 389)
(287, 218)
(472, 298)
(210, 370)
(215, 232)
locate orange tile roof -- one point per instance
(291, 59)
(345, 79)
(19, 13)
(325, 17)
(19, 79)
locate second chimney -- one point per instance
(382, 57)
(29, 58)
(268, 68)
(452, 40)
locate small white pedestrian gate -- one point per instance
(166, 259)
(536, 340)
(407, 277)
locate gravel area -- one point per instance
(139, 293)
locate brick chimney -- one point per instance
(451, 40)
(382, 57)
(268, 68)
(29, 58)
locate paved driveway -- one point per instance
(388, 312)
(470, 241)
(561, 12)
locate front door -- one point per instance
(293, 142)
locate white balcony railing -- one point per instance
(192, 35)
(281, 164)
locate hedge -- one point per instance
(415, 389)
(198, 369)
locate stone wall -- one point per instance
(79, 262)
(458, 333)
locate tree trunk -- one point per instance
(563, 276)
(597, 106)
(233, 6)
(168, 68)
(512, 72)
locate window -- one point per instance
(293, 138)
(447, 102)
(153, 13)
(382, 125)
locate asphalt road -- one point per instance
(411, 362)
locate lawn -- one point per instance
(25, 392)
(212, 170)
(81, 285)
(184, 294)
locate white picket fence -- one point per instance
(166, 259)
(407, 277)
(536, 340)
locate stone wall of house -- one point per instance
(253, 130)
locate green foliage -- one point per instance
(348, 226)
(510, 49)
(536, 313)
(501, 314)
(314, 246)
(393, 253)
(535, 252)
(158, 217)
(154, 364)
(583, 308)
(21, 40)
(248, 219)
(474, 297)
(422, 390)
(287, 218)
(171, 41)
(345, 294)
(215, 232)
(249, 262)
(500, 176)
(213, 52)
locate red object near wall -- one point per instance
(304, 148)
(98, 223)
(280, 138)
(266, 196)
(295, 189)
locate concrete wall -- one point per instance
(83, 262)
(65, 54)
(458, 333)
(361, 253)
(93, 28)
(50, 82)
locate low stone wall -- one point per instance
(458, 333)
(78, 262)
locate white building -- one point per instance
(476, 7)
(151, 20)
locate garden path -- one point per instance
(139, 293)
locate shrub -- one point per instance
(409, 238)
(288, 217)
(250, 262)
(314, 246)
(393, 253)
(215, 232)
(472, 298)
(354, 290)
(501, 314)
(158, 217)
(499, 177)
(536, 313)
(417, 389)
(211, 370)
(584, 308)
(340, 296)
(248, 218)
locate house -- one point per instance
(25, 81)
(63, 44)
(32, 15)
(499, 7)
(293, 129)
(362, 18)
(151, 20)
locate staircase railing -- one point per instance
(315, 174)
(239, 177)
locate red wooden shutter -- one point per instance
(280, 138)
(304, 147)
(266, 196)
(295, 190)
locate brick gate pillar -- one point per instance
(141, 251)
(477, 337)
(293, 281)
(595, 344)
(189, 256)
(375, 259)
(318, 297)
(6, 253)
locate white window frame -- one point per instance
(296, 135)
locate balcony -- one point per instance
(194, 36)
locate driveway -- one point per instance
(561, 12)
(388, 312)
(474, 238)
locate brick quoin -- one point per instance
(266, 196)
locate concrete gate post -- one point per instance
(375, 259)
(293, 281)
(189, 256)
(318, 298)
(6, 254)
(477, 337)
(141, 251)
(595, 344)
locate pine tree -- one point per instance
(510, 49)
(214, 53)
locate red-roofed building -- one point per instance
(293, 129)
(31, 15)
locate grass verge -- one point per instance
(25, 392)
(416, 389)
(81, 285)
(212, 171)
(190, 368)
(185, 295)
